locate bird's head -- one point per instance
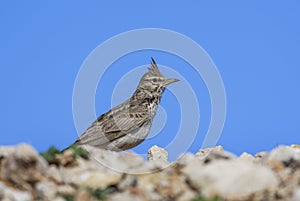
(153, 81)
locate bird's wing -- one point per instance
(113, 125)
(122, 121)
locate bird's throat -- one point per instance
(152, 107)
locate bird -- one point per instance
(128, 124)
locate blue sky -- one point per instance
(254, 44)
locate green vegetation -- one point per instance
(54, 156)
(80, 152)
(68, 197)
(50, 154)
(100, 194)
(201, 198)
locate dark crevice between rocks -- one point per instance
(215, 156)
(189, 184)
(292, 163)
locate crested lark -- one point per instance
(128, 124)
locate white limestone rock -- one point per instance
(230, 179)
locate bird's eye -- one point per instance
(154, 80)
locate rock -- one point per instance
(147, 185)
(24, 175)
(6, 151)
(19, 195)
(46, 190)
(97, 179)
(127, 196)
(157, 153)
(125, 162)
(188, 194)
(2, 191)
(23, 167)
(154, 166)
(150, 181)
(54, 174)
(132, 163)
(289, 180)
(66, 158)
(83, 195)
(230, 179)
(66, 190)
(296, 147)
(285, 155)
(171, 187)
(296, 194)
(184, 159)
(261, 155)
(204, 152)
(248, 157)
(10, 194)
(73, 174)
(215, 155)
(128, 181)
(58, 199)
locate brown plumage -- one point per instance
(128, 124)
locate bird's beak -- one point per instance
(169, 81)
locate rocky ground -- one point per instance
(209, 175)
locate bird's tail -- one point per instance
(65, 149)
(75, 143)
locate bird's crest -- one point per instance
(153, 69)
